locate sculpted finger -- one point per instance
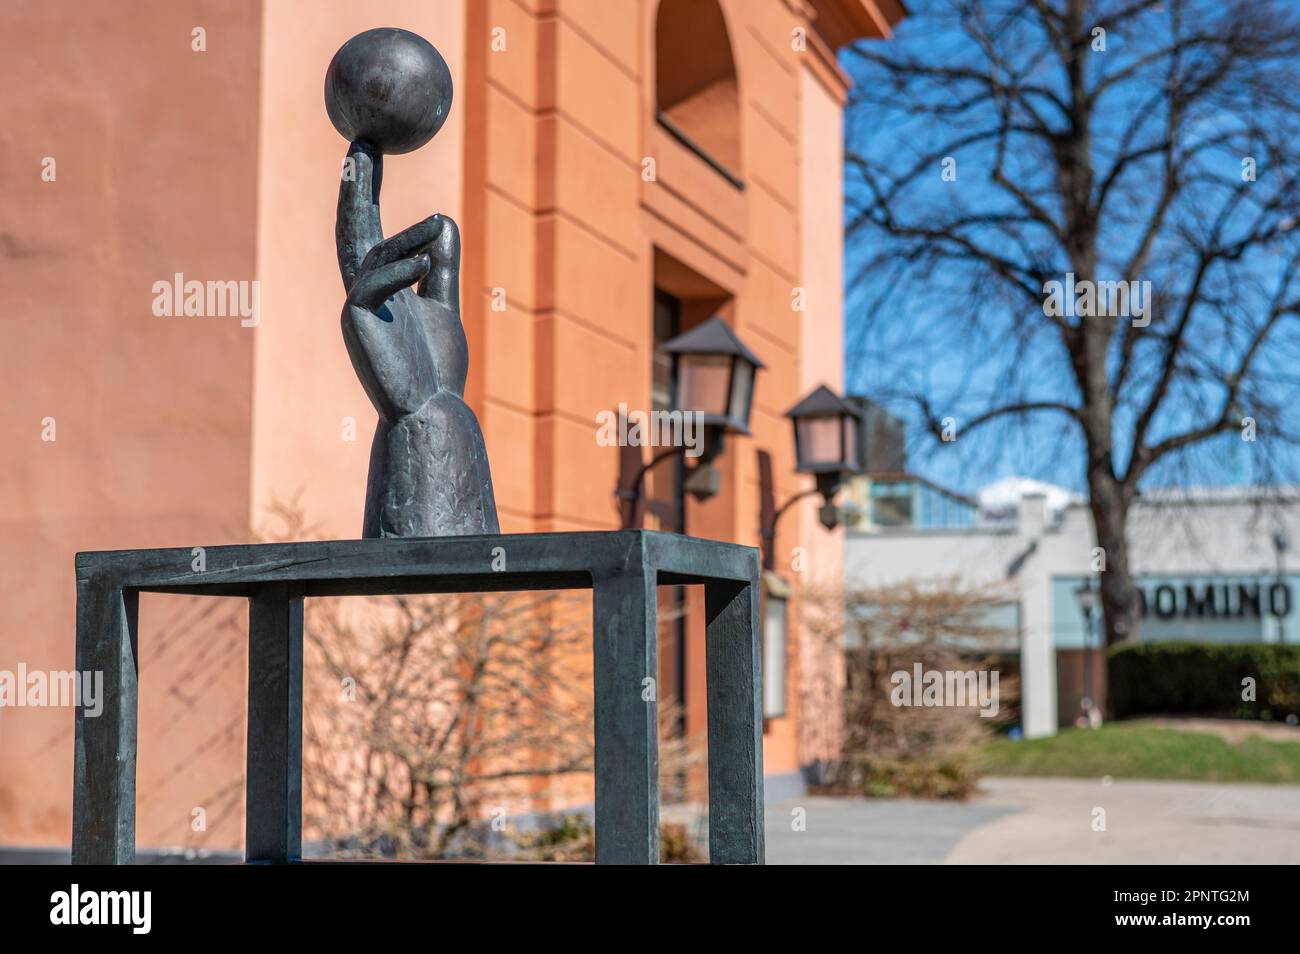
(404, 244)
(443, 282)
(356, 226)
(376, 286)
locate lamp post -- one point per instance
(713, 380)
(826, 445)
(1281, 543)
(1089, 603)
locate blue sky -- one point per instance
(944, 332)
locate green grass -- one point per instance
(1142, 751)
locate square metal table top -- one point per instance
(534, 561)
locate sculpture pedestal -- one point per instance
(622, 568)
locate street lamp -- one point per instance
(825, 434)
(713, 379)
(713, 372)
(1281, 543)
(826, 445)
(1090, 606)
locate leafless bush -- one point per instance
(893, 749)
(431, 714)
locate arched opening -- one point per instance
(695, 81)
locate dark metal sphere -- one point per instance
(389, 89)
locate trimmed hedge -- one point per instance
(1204, 679)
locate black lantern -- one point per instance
(713, 373)
(826, 430)
(713, 377)
(826, 434)
(1089, 601)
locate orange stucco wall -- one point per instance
(222, 165)
(154, 146)
(571, 226)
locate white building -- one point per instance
(1211, 563)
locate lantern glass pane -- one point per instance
(819, 440)
(851, 443)
(742, 392)
(704, 380)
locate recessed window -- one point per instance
(695, 82)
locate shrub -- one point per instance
(939, 776)
(1204, 679)
(891, 750)
(574, 839)
(676, 846)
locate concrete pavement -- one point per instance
(848, 831)
(1047, 821)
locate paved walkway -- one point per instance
(1048, 821)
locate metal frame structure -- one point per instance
(622, 568)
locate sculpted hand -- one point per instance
(429, 472)
(405, 345)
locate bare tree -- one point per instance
(998, 146)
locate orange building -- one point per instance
(620, 169)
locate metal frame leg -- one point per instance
(103, 804)
(273, 821)
(735, 724)
(627, 718)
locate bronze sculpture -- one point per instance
(429, 477)
(389, 91)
